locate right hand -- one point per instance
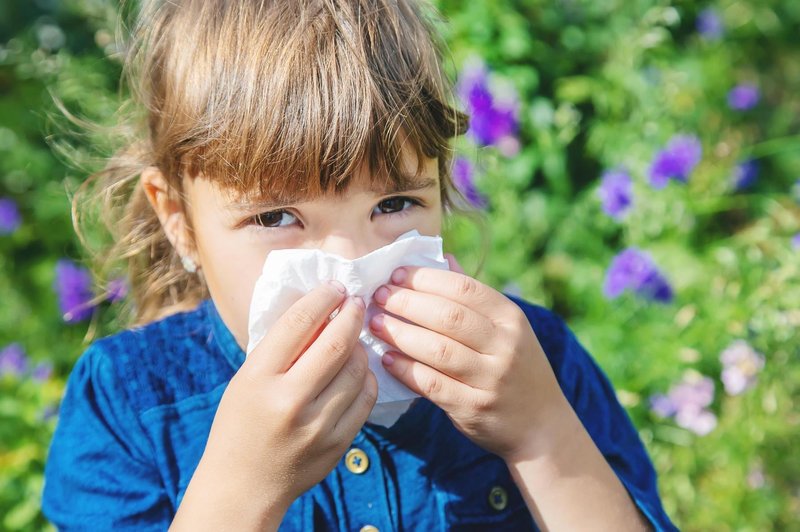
(295, 405)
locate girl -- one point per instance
(271, 124)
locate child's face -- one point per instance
(232, 240)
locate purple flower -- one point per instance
(743, 97)
(616, 193)
(463, 179)
(740, 365)
(13, 360)
(73, 286)
(709, 24)
(676, 161)
(662, 405)
(492, 121)
(9, 216)
(745, 174)
(693, 389)
(698, 420)
(687, 402)
(635, 270)
(796, 241)
(117, 289)
(42, 371)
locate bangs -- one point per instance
(289, 100)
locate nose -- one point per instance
(349, 246)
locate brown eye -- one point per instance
(274, 219)
(395, 204)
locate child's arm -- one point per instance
(476, 356)
(285, 419)
(567, 483)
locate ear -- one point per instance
(169, 209)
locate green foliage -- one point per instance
(604, 84)
(600, 84)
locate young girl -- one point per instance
(272, 124)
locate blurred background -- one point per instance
(637, 165)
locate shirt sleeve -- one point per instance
(591, 394)
(98, 475)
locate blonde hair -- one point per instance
(284, 99)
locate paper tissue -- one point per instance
(288, 274)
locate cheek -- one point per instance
(231, 264)
(427, 222)
(430, 223)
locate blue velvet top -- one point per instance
(138, 408)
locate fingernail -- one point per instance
(377, 322)
(387, 359)
(337, 285)
(359, 302)
(399, 276)
(381, 295)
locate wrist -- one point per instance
(565, 465)
(217, 499)
(551, 435)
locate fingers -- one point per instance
(358, 410)
(296, 328)
(446, 392)
(450, 285)
(325, 358)
(435, 350)
(345, 387)
(439, 314)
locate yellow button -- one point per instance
(369, 528)
(498, 498)
(356, 461)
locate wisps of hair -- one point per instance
(277, 99)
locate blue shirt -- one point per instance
(138, 409)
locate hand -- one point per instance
(470, 350)
(297, 402)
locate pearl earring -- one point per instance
(188, 264)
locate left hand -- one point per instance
(471, 350)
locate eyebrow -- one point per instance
(412, 185)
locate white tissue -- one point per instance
(288, 274)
